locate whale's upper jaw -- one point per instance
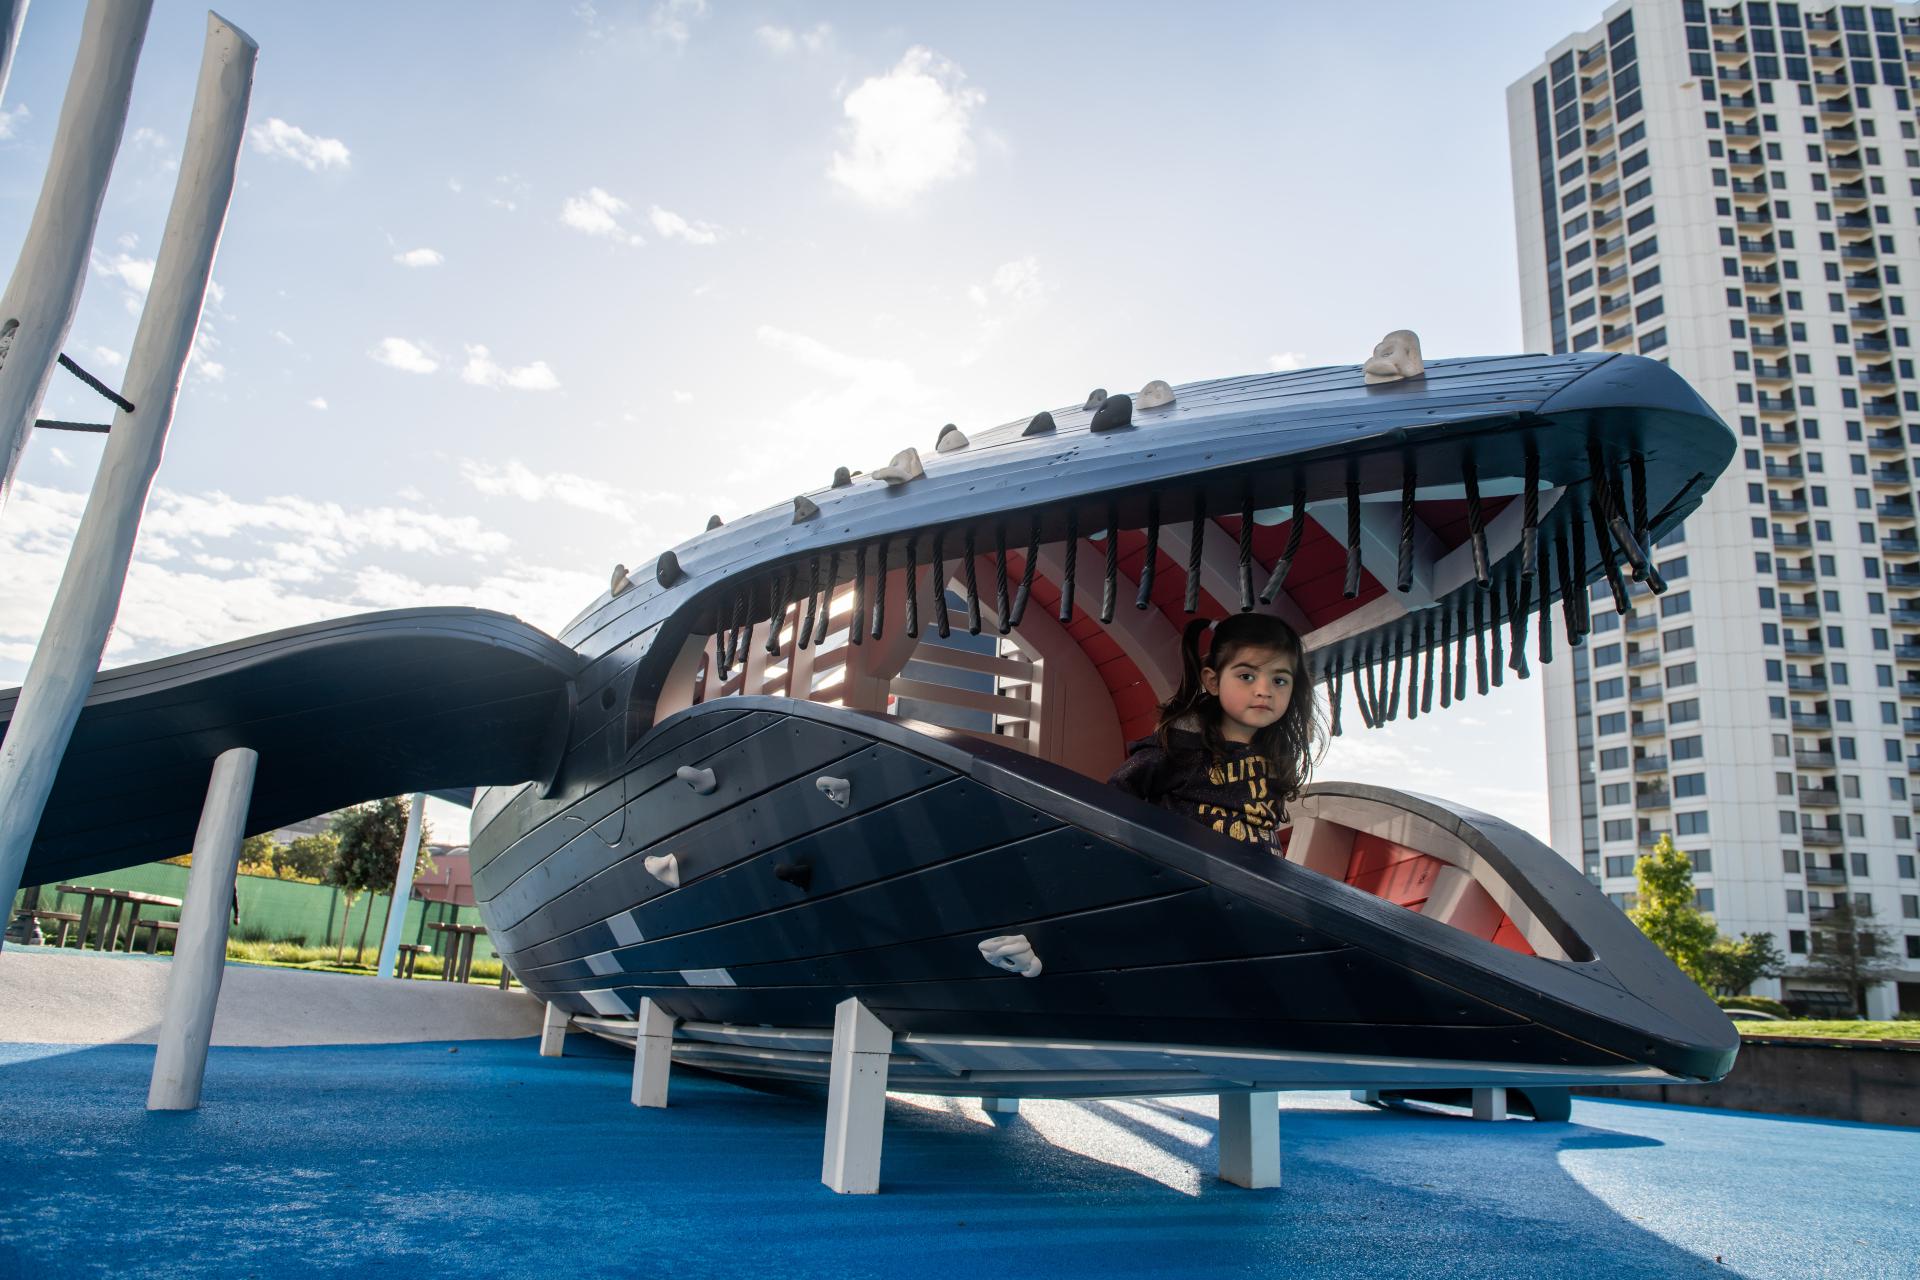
(1600, 436)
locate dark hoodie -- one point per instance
(1231, 795)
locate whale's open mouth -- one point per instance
(1409, 531)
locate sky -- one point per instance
(511, 292)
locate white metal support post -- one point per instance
(200, 949)
(1490, 1104)
(856, 1100)
(1250, 1139)
(652, 1055)
(553, 1032)
(44, 291)
(402, 888)
(12, 14)
(61, 670)
(1000, 1106)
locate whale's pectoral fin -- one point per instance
(340, 712)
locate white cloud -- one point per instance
(135, 273)
(11, 119)
(318, 402)
(398, 353)
(1019, 281)
(419, 258)
(60, 456)
(859, 401)
(906, 131)
(597, 213)
(145, 137)
(683, 397)
(670, 18)
(482, 371)
(278, 138)
(455, 185)
(784, 40)
(1287, 360)
(515, 479)
(280, 335)
(671, 226)
(108, 356)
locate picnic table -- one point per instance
(112, 905)
(460, 943)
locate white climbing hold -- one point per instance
(1013, 953)
(1395, 356)
(952, 439)
(904, 467)
(1154, 395)
(665, 867)
(620, 580)
(701, 780)
(838, 790)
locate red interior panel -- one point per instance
(1406, 877)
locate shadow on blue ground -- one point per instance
(491, 1161)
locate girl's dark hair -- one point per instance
(1289, 743)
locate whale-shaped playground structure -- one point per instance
(839, 764)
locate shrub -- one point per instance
(1759, 1004)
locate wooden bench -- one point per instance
(410, 952)
(67, 920)
(153, 939)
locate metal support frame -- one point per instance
(200, 947)
(1250, 1139)
(652, 1055)
(553, 1032)
(856, 1100)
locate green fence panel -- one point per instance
(282, 910)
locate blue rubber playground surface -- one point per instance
(483, 1159)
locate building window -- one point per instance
(1688, 786)
(1690, 824)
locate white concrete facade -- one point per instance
(1703, 166)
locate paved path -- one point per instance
(493, 1162)
(50, 996)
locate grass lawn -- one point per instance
(1835, 1030)
(288, 955)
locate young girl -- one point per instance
(1236, 744)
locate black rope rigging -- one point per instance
(1393, 693)
(119, 401)
(1196, 539)
(1295, 528)
(937, 583)
(973, 590)
(1569, 607)
(1403, 577)
(1480, 643)
(1144, 597)
(1333, 701)
(1428, 627)
(880, 589)
(1000, 577)
(1530, 525)
(1476, 526)
(1072, 556)
(913, 588)
(857, 625)
(1352, 587)
(777, 619)
(1110, 584)
(826, 599)
(1246, 553)
(1460, 656)
(805, 637)
(1413, 674)
(1544, 649)
(1446, 657)
(1027, 570)
(1499, 660)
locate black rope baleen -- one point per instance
(1413, 672)
(913, 588)
(1295, 527)
(1476, 526)
(857, 625)
(1144, 597)
(1333, 701)
(776, 620)
(1530, 525)
(973, 589)
(1027, 570)
(1246, 553)
(938, 585)
(880, 590)
(1072, 556)
(1403, 577)
(805, 638)
(1196, 541)
(1000, 578)
(1110, 579)
(1352, 587)
(826, 599)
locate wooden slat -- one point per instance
(965, 699)
(980, 663)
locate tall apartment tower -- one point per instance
(1736, 191)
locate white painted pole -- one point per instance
(652, 1055)
(856, 1100)
(1490, 1104)
(1250, 1139)
(553, 1030)
(63, 664)
(37, 308)
(200, 948)
(402, 887)
(12, 14)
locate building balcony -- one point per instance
(1845, 164)
(1641, 623)
(1851, 193)
(1900, 508)
(1909, 688)
(1778, 371)
(1821, 837)
(1833, 107)
(1807, 684)
(1819, 798)
(1595, 110)
(1640, 659)
(1596, 55)
(1602, 190)
(1736, 129)
(1904, 615)
(1853, 222)
(1792, 539)
(1792, 574)
(1909, 27)
(1756, 247)
(1864, 282)
(1744, 103)
(1649, 728)
(1756, 307)
(1845, 134)
(1746, 159)
(1858, 251)
(1903, 575)
(1881, 409)
(1891, 475)
(1795, 611)
(1820, 22)
(1594, 84)
(1910, 724)
(1813, 759)
(1616, 333)
(1754, 275)
(1609, 247)
(1649, 764)
(1599, 137)
(1827, 54)
(1735, 76)
(1826, 876)
(1653, 799)
(1913, 764)
(1900, 543)
(1786, 506)
(1752, 218)
(1741, 187)
(1906, 651)
(1648, 839)
(1614, 306)
(1886, 442)
(1874, 375)
(1766, 340)
(1799, 647)
(1645, 693)
(1610, 275)
(1604, 218)
(1867, 315)
(1812, 720)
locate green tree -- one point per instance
(256, 855)
(1849, 948)
(306, 858)
(370, 839)
(1666, 913)
(1730, 967)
